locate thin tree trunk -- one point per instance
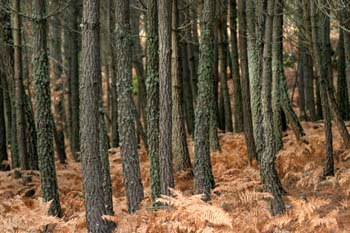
(3, 141)
(115, 125)
(19, 88)
(152, 85)
(329, 162)
(179, 141)
(238, 102)
(247, 114)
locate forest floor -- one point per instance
(314, 203)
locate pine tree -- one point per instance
(49, 189)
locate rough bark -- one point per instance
(90, 120)
(254, 36)
(268, 171)
(165, 103)
(203, 177)
(247, 114)
(152, 85)
(322, 75)
(126, 116)
(115, 126)
(179, 141)
(49, 189)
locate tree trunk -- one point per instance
(19, 88)
(223, 52)
(238, 102)
(49, 189)
(254, 35)
(31, 135)
(179, 141)
(267, 165)
(165, 103)
(203, 177)
(90, 120)
(126, 116)
(71, 50)
(247, 114)
(152, 85)
(321, 73)
(3, 142)
(115, 126)
(55, 50)
(342, 93)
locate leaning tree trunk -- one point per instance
(49, 189)
(321, 73)
(203, 177)
(165, 121)
(126, 116)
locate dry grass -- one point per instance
(314, 203)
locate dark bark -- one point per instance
(322, 76)
(49, 189)
(90, 120)
(268, 171)
(71, 50)
(179, 141)
(152, 85)
(3, 142)
(247, 114)
(19, 88)
(238, 95)
(126, 116)
(115, 126)
(203, 177)
(165, 103)
(342, 89)
(223, 52)
(55, 51)
(31, 135)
